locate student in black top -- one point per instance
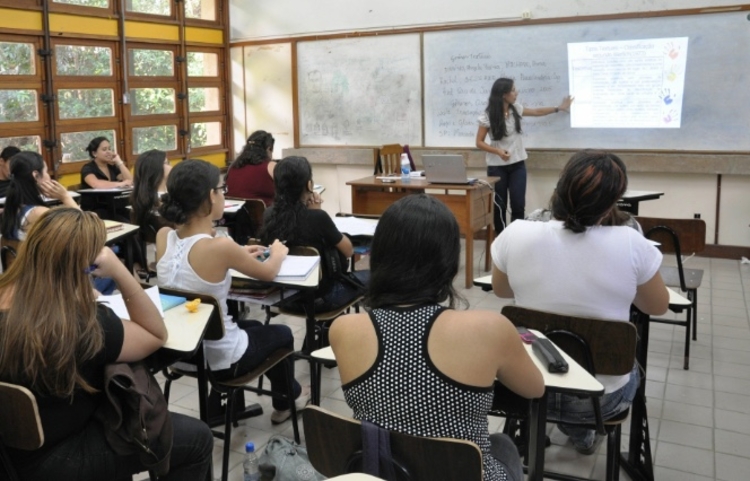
(297, 218)
(5, 156)
(59, 349)
(151, 171)
(105, 171)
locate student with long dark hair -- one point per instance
(151, 172)
(250, 176)
(189, 257)
(296, 217)
(24, 204)
(5, 156)
(579, 264)
(505, 154)
(59, 349)
(415, 364)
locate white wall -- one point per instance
(684, 195)
(265, 19)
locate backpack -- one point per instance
(135, 416)
(282, 460)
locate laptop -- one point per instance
(445, 169)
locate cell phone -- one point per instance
(526, 336)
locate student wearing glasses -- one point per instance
(189, 257)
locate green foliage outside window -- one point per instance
(18, 106)
(83, 60)
(152, 101)
(153, 7)
(73, 144)
(151, 63)
(162, 137)
(85, 103)
(86, 3)
(202, 64)
(16, 58)
(29, 142)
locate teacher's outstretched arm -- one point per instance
(542, 111)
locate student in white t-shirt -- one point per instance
(576, 264)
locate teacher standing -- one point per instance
(505, 154)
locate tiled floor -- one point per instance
(699, 419)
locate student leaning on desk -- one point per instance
(577, 265)
(414, 366)
(189, 257)
(55, 340)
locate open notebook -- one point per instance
(297, 268)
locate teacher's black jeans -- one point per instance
(513, 180)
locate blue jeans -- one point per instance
(571, 411)
(513, 180)
(503, 449)
(87, 455)
(262, 340)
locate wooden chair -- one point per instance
(248, 220)
(678, 236)
(601, 347)
(230, 388)
(334, 444)
(8, 252)
(20, 424)
(390, 159)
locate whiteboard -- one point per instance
(461, 65)
(360, 91)
(268, 93)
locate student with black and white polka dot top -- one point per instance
(413, 366)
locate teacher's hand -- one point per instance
(504, 154)
(566, 101)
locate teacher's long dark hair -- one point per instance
(415, 254)
(495, 112)
(292, 178)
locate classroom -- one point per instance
(335, 81)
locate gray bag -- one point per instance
(282, 460)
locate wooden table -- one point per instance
(471, 204)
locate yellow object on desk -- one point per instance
(192, 306)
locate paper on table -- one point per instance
(355, 226)
(117, 303)
(297, 268)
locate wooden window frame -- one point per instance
(107, 12)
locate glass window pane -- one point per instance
(73, 144)
(83, 60)
(17, 59)
(202, 64)
(203, 99)
(153, 7)
(152, 101)
(205, 133)
(29, 142)
(203, 9)
(150, 63)
(161, 137)
(85, 3)
(86, 103)
(18, 106)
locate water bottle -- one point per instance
(405, 169)
(250, 465)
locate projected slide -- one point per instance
(627, 84)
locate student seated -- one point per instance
(24, 203)
(189, 257)
(415, 366)
(105, 171)
(5, 156)
(151, 172)
(250, 176)
(59, 350)
(576, 264)
(297, 218)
